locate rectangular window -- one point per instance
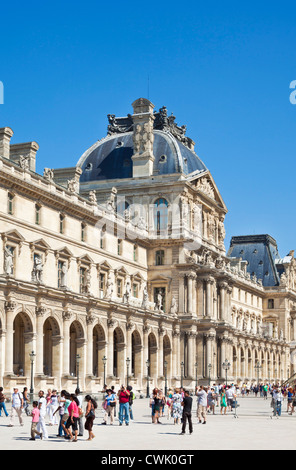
(62, 223)
(82, 280)
(10, 204)
(60, 271)
(270, 303)
(102, 283)
(119, 247)
(37, 214)
(119, 287)
(159, 257)
(135, 290)
(83, 232)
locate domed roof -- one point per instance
(111, 157)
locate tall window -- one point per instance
(10, 204)
(159, 257)
(82, 280)
(119, 287)
(62, 223)
(135, 290)
(119, 246)
(161, 214)
(37, 214)
(83, 231)
(270, 303)
(102, 281)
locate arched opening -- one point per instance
(22, 344)
(136, 354)
(76, 346)
(51, 341)
(118, 353)
(99, 350)
(152, 355)
(167, 355)
(161, 215)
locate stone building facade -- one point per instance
(116, 268)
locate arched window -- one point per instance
(161, 214)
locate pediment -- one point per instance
(104, 265)
(63, 252)
(40, 244)
(13, 235)
(206, 185)
(85, 259)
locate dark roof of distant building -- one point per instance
(261, 253)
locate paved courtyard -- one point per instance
(252, 429)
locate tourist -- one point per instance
(123, 398)
(177, 406)
(187, 408)
(202, 402)
(90, 416)
(53, 406)
(278, 398)
(157, 405)
(2, 403)
(230, 396)
(64, 402)
(41, 427)
(72, 422)
(290, 398)
(16, 407)
(48, 406)
(80, 422)
(211, 400)
(223, 402)
(35, 420)
(26, 401)
(110, 403)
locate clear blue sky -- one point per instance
(223, 69)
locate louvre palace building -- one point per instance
(115, 269)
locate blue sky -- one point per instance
(223, 69)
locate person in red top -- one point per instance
(123, 397)
(73, 418)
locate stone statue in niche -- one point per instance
(8, 261)
(37, 273)
(64, 274)
(145, 301)
(127, 294)
(109, 287)
(174, 306)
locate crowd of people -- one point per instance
(72, 414)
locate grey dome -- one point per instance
(111, 158)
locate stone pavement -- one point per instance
(252, 430)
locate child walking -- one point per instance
(35, 419)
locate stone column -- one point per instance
(209, 306)
(9, 309)
(190, 297)
(223, 287)
(110, 348)
(160, 351)
(190, 353)
(67, 314)
(40, 312)
(176, 353)
(90, 319)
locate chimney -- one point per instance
(143, 138)
(27, 150)
(5, 135)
